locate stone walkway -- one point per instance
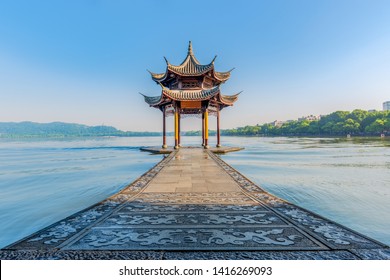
(192, 170)
(192, 205)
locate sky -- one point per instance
(85, 61)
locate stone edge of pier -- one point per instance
(216, 150)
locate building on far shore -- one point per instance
(310, 118)
(277, 123)
(386, 105)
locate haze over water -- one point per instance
(43, 181)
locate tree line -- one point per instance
(358, 122)
(339, 123)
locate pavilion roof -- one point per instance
(181, 95)
(229, 99)
(185, 95)
(190, 95)
(191, 67)
(222, 76)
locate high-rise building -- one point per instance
(386, 105)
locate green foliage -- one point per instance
(247, 130)
(358, 115)
(377, 125)
(357, 122)
(339, 123)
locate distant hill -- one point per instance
(357, 122)
(60, 129)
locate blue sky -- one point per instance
(86, 61)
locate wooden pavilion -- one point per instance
(189, 89)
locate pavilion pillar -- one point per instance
(206, 129)
(178, 129)
(164, 145)
(202, 128)
(218, 131)
(176, 126)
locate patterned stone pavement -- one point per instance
(192, 205)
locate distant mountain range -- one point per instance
(60, 129)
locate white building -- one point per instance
(386, 105)
(277, 123)
(310, 118)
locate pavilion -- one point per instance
(189, 89)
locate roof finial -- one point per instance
(190, 48)
(166, 60)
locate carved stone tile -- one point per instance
(59, 232)
(180, 219)
(143, 207)
(194, 198)
(265, 238)
(331, 234)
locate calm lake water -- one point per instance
(346, 180)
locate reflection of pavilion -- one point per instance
(191, 89)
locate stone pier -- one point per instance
(193, 205)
